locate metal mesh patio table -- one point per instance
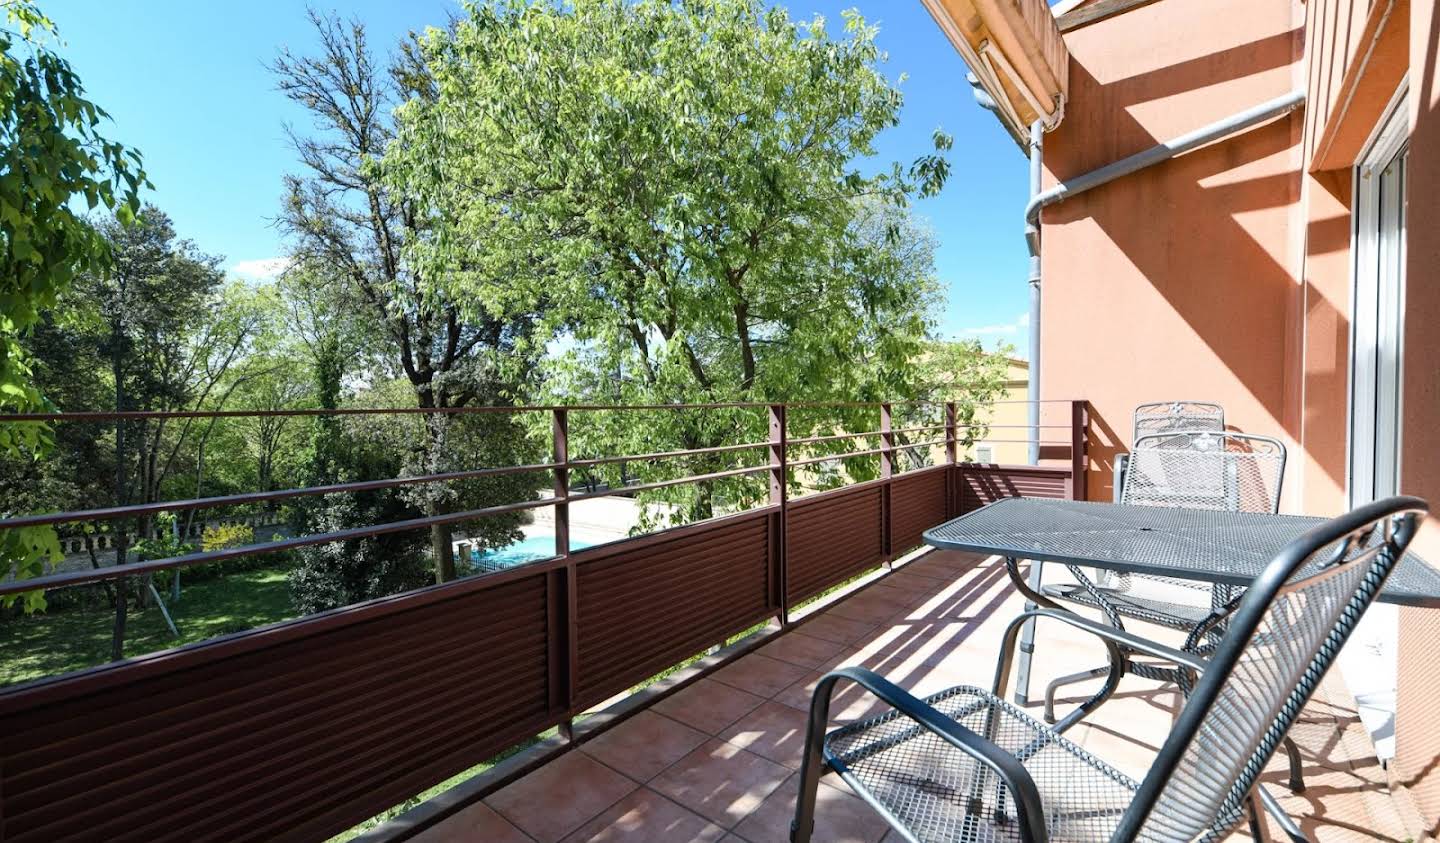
(1203, 545)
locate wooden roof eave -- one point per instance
(1016, 50)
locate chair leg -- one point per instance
(1297, 766)
(1257, 828)
(812, 764)
(1056, 684)
(1272, 807)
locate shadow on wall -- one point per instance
(1208, 267)
(1327, 340)
(1104, 446)
(1417, 739)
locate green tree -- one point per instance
(52, 157)
(171, 331)
(341, 215)
(684, 183)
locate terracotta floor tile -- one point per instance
(561, 796)
(947, 636)
(721, 781)
(644, 745)
(917, 582)
(835, 628)
(952, 561)
(849, 702)
(774, 730)
(646, 817)
(760, 675)
(867, 608)
(476, 824)
(884, 591)
(807, 651)
(708, 705)
(839, 817)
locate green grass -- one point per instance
(62, 640)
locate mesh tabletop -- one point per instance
(1205, 545)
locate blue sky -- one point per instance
(186, 84)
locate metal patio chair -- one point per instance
(1170, 417)
(1231, 472)
(965, 765)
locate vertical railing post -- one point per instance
(779, 475)
(560, 428)
(560, 586)
(1079, 450)
(887, 471)
(952, 459)
(560, 646)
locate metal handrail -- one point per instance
(834, 437)
(112, 513)
(755, 446)
(141, 415)
(113, 572)
(779, 467)
(833, 457)
(661, 484)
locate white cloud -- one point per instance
(261, 269)
(1021, 323)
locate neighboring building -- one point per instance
(1286, 263)
(1004, 442)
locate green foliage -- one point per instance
(340, 573)
(353, 235)
(681, 185)
(51, 155)
(222, 536)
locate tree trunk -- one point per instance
(122, 540)
(117, 635)
(440, 534)
(444, 552)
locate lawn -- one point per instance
(49, 643)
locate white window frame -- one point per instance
(1389, 141)
(1368, 662)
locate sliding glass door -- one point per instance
(1376, 368)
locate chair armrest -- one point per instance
(1028, 807)
(1128, 640)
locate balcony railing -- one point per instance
(304, 728)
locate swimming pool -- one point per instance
(527, 549)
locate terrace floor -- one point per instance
(718, 759)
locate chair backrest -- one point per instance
(1282, 638)
(1231, 472)
(1167, 416)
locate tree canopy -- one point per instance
(53, 159)
(688, 187)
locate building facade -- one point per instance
(1288, 269)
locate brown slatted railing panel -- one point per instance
(981, 485)
(917, 503)
(831, 537)
(298, 731)
(642, 609)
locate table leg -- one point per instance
(1031, 590)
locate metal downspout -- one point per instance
(1108, 173)
(1154, 155)
(1032, 236)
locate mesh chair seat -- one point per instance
(965, 766)
(939, 793)
(1194, 469)
(1173, 614)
